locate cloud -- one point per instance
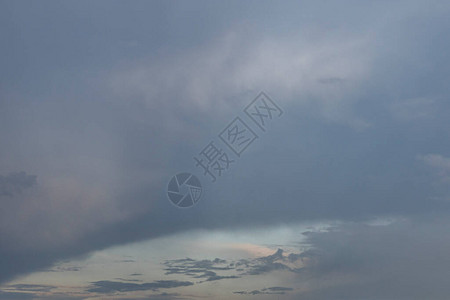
(130, 280)
(406, 259)
(104, 132)
(265, 264)
(276, 290)
(199, 268)
(243, 267)
(325, 73)
(64, 269)
(14, 183)
(32, 287)
(106, 287)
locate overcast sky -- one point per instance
(343, 195)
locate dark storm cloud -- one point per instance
(107, 114)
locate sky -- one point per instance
(343, 192)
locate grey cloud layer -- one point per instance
(406, 259)
(104, 117)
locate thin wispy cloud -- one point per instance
(106, 287)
